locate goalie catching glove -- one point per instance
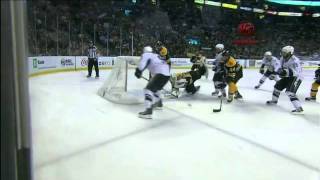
(138, 73)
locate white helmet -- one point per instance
(220, 47)
(268, 53)
(287, 50)
(147, 49)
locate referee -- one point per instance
(92, 59)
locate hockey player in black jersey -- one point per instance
(163, 52)
(315, 86)
(187, 79)
(233, 73)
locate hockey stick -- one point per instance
(219, 109)
(162, 88)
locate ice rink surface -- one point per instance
(77, 135)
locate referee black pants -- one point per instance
(93, 62)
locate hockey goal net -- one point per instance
(116, 89)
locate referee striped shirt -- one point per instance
(92, 52)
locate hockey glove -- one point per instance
(283, 72)
(138, 73)
(214, 67)
(261, 71)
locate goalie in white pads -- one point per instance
(290, 73)
(187, 79)
(160, 74)
(270, 62)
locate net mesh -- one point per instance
(115, 88)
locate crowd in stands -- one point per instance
(66, 27)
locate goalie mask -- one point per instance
(287, 52)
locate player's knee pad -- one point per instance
(232, 87)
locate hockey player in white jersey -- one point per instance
(270, 63)
(160, 74)
(290, 72)
(218, 68)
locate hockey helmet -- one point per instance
(163, 51)
(287, 52)
(219, 47)
(147, 49)
(231, 62)
(268, 55)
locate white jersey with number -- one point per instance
(272, 64)
(154, 64)
(293, 64)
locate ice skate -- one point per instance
(230, 98)
(215, 93)
(158, 105)
(147, 114)
(297, 111)
(196, 90)
(222, 95)
(272, 102)
(238, 96)
(310, 98)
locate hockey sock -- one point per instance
(262, 80)
(156, 97)
(294, 100)
(275, 95)
(314, 89)
(148, 98)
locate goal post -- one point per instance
(115, 88)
